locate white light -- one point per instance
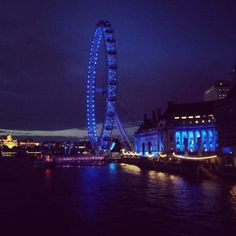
(194, 158)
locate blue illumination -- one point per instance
(227, 150)
(184, 141)
(178, 141)
(103, 31)
(193, 139)
(112, 166)
(149, 143)
(112, 146)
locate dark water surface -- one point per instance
(112, 200)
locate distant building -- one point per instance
(9, 146)
(226, 124)
(53, 147)
(29, 148)
(67, 148)
(218, 90)
(81, 148)
(9, 141)
(28, 143)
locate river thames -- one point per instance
(113, 199)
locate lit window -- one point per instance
(197, 116)
(190, 117)
(177, 117)
(183, 117)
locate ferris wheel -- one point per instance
(103, 33)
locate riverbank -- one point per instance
(11, 169)
(186, 168)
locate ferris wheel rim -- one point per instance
(104, 33)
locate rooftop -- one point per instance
(185, 109)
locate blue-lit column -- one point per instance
(188, 138)
(204, 143)
(181, 140)
(208, 140)
(195, 140)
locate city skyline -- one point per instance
(63, 134)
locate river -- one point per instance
(113, 199)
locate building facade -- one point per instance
(226, 125)
(218, 90)
(181, 128)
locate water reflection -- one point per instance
(233, 192)
(233, 198)
(157, 175)
(112, 168)
(182, 194)
(48, 173)
(113, 198)
(164, 177)
(131, 169)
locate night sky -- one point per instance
(168, 50)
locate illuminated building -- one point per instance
(149, 142)
(218, 90)
(55, 148)
(148, 138)
(9, 146)
(81, 148)
(181, 128)
(29, 148)
(67, 148)
(28, 143)
(9, 142)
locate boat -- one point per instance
(46, 161)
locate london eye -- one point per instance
(101, 143)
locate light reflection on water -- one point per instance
(108, 199)
(48, 173)
(132, 169)
(232, 192)
(164, 177)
